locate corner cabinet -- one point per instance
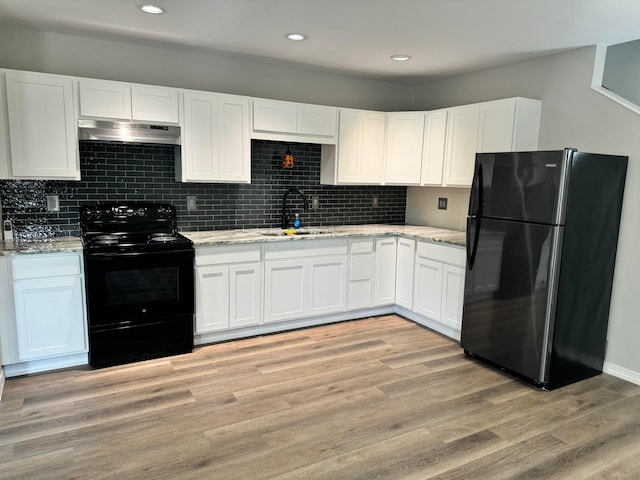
(359, 157)
(216, 145)
(49, 303)
(43, 134)
(403, 156)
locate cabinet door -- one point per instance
(245, 295)
(462, 138)
(385, 272)
(327, 285)
(360, 280)
(105, 99)
(42, 126)
(452, 296)
(316, 120)
(154, 104)
(496, 127)
(404, 272)
(275, 116)
(50, 317)
(212, 298)
(403, 159)
(200, 137)
(234, 152)
(372, 151)
(349, 146)
(433, 153)
(427, 295)
(285, 288)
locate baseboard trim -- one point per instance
(46, 365)
(2, 379)
(621, 372)
(426, 322)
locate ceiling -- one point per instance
(355, 37)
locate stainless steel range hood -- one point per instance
(128, 132)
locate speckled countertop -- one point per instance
(222, 237)
(226, 237)
(51, 245)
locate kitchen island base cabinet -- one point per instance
(228, 288)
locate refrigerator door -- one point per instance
(523, 186)
(509, 294)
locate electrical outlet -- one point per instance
(191, 202)
(315, 202)
(442, 203)
(53, 203)
(375, 202)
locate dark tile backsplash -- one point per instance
(140, 172)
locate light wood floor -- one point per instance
(380, 398)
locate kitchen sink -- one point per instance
(295, 233)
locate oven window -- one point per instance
(139, 286)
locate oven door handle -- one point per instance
(120, 255)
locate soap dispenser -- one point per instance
(296, 222)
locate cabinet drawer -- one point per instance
(364, 245)
(47, 265)
(302, 249)
(442, 253)
(215, 255)
(361, 267)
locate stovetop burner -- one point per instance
(133, 227)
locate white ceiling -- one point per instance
(357, 37)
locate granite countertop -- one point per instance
(50, 245)
(258, 235)
(227, 237)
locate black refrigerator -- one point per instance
(542, 233)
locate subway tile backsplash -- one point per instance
(142, 172)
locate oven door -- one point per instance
(137, 288)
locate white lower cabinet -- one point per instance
(305, 279)
(49, 305)
(361, 267)
(439, 283)
(404, 272)
(384, 291)
(228, 287)
(285, 289)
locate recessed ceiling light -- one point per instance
(400, 58)
(296, 36)
(152, 9)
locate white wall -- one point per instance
(168, 65)
(422, 208)
(573, 115)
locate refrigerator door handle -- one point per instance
(474, 217)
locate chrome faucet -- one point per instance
(286, 216)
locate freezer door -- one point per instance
(524, 186)
(508, 305)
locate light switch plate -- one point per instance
(442, 203)
(191, 202)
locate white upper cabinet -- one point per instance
(43, 134)
(403, 158)
(509, 125)
(4, 132)
(360, 149)
(290, 121)
(124, 101)
(215, 139)
(433, 152)
(462, 138)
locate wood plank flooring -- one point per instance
(379, 398)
